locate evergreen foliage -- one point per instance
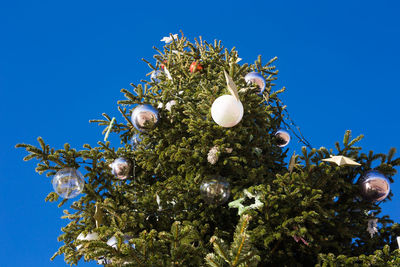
(310, 200)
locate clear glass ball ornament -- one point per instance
(92, 236)
(113, 242)
(227, 111)
(155, 75)
(135, 140)
(374, 186)
(256, 78)
(215, 190)
(68, 183)
(283, 137)
(121, 168)
(144, 117)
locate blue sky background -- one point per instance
(64, 62)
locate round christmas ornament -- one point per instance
(227, 111)
(89, 237)
(154, 76)
(135, 140)
(121, 168)
(144, 117)
(215, 191)
(113, 242)
(195, 66)
(283, 137)
(163, 64)
(68, 183)
(374, 186)
(257, 78)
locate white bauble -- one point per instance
(226, 111)
(88, 237)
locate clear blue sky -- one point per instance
(64, 62)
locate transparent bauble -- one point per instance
(283, 137)
(135, 140)
(156, 75)
(121, 168)
(88, 237)
(113, 242)
(227, 111)
(144, 117)
(256, 78)
(68, 183)
(215, 190)
(374, 186)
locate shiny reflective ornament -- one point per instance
(135, 140)
(257, 78)
(226, 111)
(121, 168)
(68, 183)
(155, 75)
(163, 64)
(374, 186)
(215, 191)
(195, 66)
(283, 137)
(113, 242)
(144, 117)
(89, 237)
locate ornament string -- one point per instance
(289, 123)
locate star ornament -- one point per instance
(169, 39)
(239, 203)
(342, 161)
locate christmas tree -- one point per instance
(202, 177)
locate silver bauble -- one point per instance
(215, 190)
(68, 183)
(374, 186)
(121, 168)
(283, 137)
(257, 78)
(144, 117)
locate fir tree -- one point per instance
(306, 213)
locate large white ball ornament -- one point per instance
(226, 111)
